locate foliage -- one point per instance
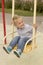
(8, 4)
(0, 4)
(24, 5)
(18, 4)
(27, 5)
(40, 7)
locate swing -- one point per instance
(27, 47)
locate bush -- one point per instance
(27, 5)
(18, 4)
(32, 6)
(8, 4)
(40, 7)
(0, 4)
(22, 5)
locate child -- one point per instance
(25, 33)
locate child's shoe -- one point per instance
(7, 49)
(17, 53)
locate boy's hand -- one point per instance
(35, 26)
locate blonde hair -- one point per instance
(15, 18)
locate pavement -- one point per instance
(34, 57)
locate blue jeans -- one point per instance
(19, 41)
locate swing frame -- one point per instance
(34, 22)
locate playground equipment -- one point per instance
(4, 23)
(13, 7)
(34, 22)
(28, 47)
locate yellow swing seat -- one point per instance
(27, 47)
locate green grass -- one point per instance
(21, 12)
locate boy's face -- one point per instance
(20, 23)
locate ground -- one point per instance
(34, 57)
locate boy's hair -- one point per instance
(15, 18)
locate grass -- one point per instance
(21, 12)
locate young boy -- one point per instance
(25, 33)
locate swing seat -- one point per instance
(27, 48)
